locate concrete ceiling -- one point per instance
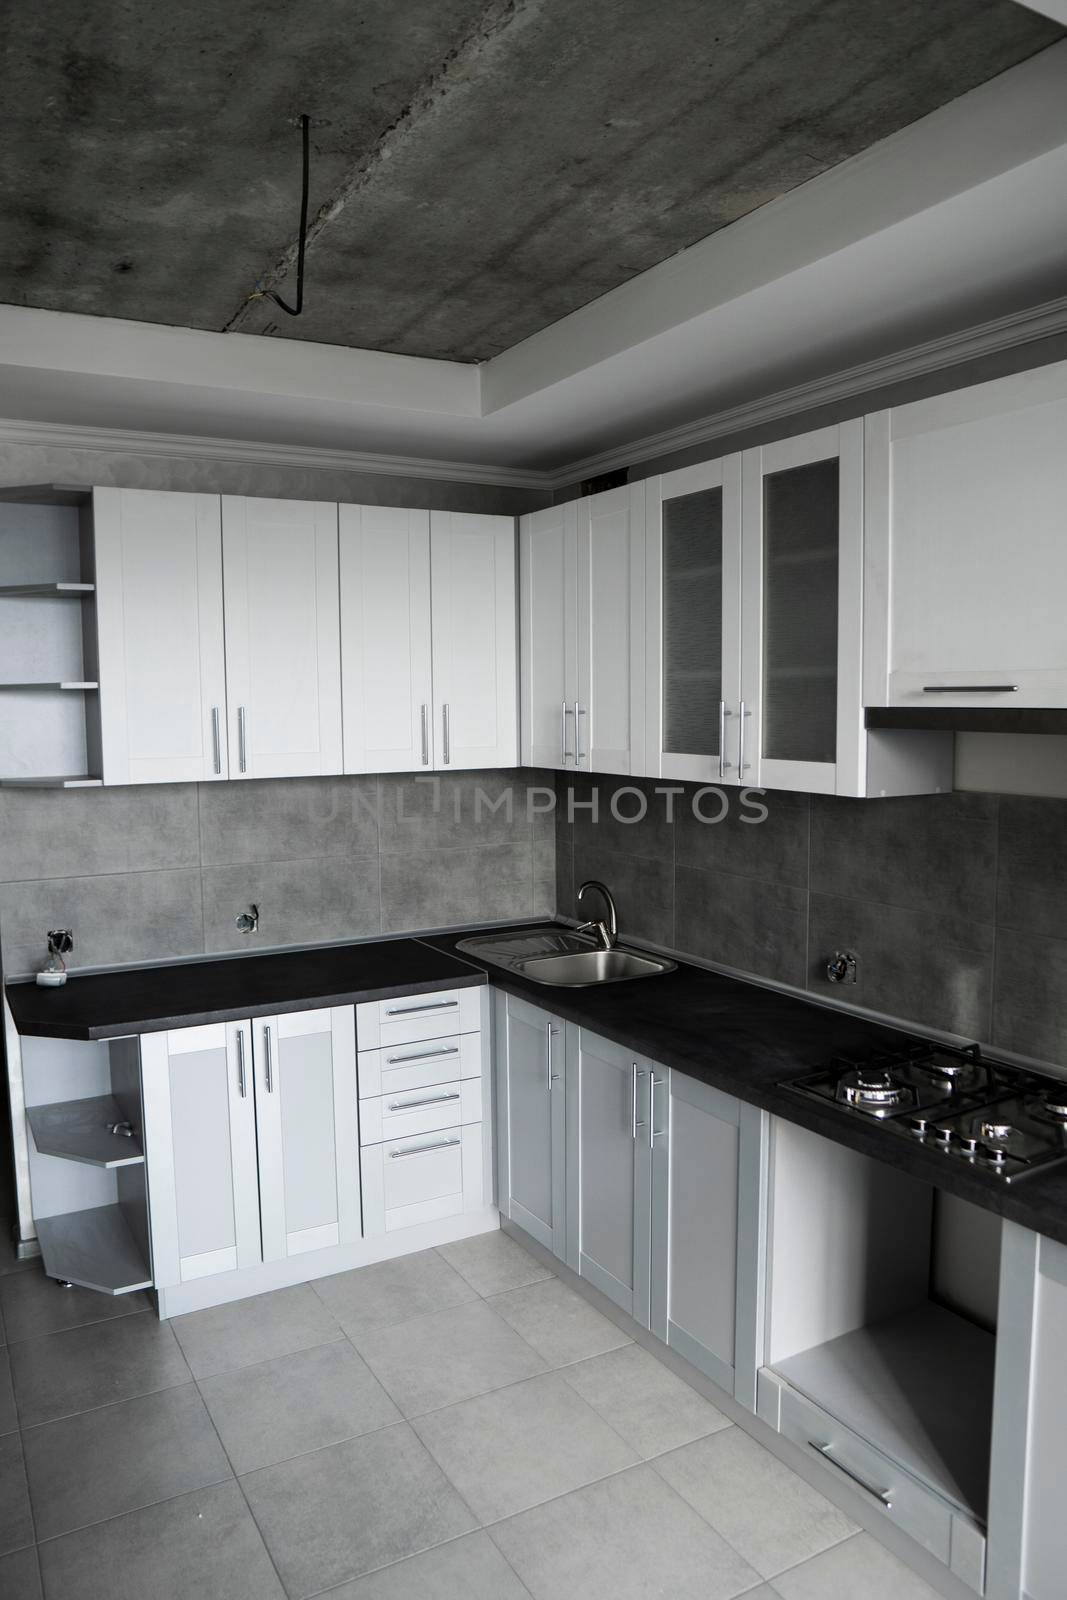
(480, 168)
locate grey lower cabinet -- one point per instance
(530, 1108)
(249, 1132)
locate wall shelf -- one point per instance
(65, 687)
(78, 1131)
(94, 1249)
(55, 591)
(60, 781)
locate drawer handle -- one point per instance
(826, 1451)
(423, 1055)
(970, 688)
(431, 1005)
(423, 1149)
(413, 1105)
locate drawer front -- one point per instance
(916, 1510)
(404, 1114)
(409, 1018)
(399, 1069)
(410, 1181)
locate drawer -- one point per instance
(400, 1115)
(398, 1069)
(408, 1181)
(914, 1508)
(409, 1018)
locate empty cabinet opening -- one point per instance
(87, 1167)
(882, 1311)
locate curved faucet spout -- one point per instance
(607, 933)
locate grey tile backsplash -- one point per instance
(147, 873)
(956, 905)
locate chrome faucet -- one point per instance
(607, 933)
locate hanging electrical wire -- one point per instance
(269, 294)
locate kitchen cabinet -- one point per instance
(162, 665)
(583, 633)
(283, 650)
(967, 560)
(531, 1115)
(251, 1141)
(475, 712)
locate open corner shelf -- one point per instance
(78, 1131)
(75, 687)
(63, 781)
(94, 1249)
(55, 591)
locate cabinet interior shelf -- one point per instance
(58, 781)
(62, 591)
(94, 1249)
(67, 687)
(918, 1386)
(77, 1130)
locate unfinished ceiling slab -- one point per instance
(480, 168)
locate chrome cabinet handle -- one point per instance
(564, 753)
(579, 711)
(268, 1065)
(241, 1088)
(432, 1005)
(724, 765)
(423, 1055)
(741, 764)
(654, 1133)
(970, 688)
(425, 736)
(216, 741)
(634, 1124)
(444, 729)
(413, 1105)
(242, 738)
(553, 1077)
(826, 1451)
(423, 1149)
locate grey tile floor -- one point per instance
(455, 1425)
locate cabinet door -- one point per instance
(609, 718)
(608, 1195)
(307, 1119)
(283, 649)
(475, 671)
(200, 1151)
(548, 632)
(968, 554)
(386, 682)
(159, 618)
(531, 1107)
(801, 726)
(693, 593)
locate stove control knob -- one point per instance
(945, 1137)
(919, 1125)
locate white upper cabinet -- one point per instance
(386, 664)
(967, 547)
(583, 634)
(283, 649)
(475, 690)
(159, 618)
(693, 588)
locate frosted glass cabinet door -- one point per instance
(386, 671)
(308, 1128)
(159, 617)
(693, 599)
(475, 666)
(283, 648)
(548, 632)
(530, 1078)
(609, 719)
(200, 1150)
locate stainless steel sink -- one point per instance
(557, 956)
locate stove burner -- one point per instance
(870, 1086)
(1054, 1103)
(995, 1130)
(950, 1067)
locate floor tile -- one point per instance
(860, 1568)
(393, 1291)
(16, 1524)
(346, 1510)
(470, 1568)
(34, 1304)
(512, 1449)
(296, 1403)
(494, 1262)
(105, 1462)
(447, 1356)
(560, 1325)
(629, 1537)
(643, 1400)
(768, 1513)
(94, 1366)
(224, 1338)
(9, 1261)
(19, 1577)
(8, 1415)
(204, 1544)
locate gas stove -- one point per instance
(999, 1118)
